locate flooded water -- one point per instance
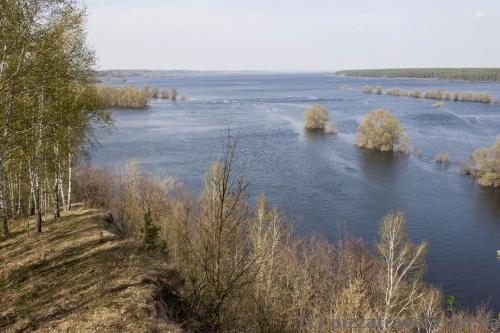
(324, 183)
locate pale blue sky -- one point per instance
(298, 35)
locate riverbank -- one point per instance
(79, 274)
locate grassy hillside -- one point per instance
(79, 276)
(468, 74)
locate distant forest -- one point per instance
(467, 74)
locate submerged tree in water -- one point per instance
(486, 165)
(315, 118)
(380, 130)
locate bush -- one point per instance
(139, 202)
(411, 93)
(315, 118)
(434, 94)
(127, 97)
(344, 87)
(462, 96)
(367, 89)
(437, 104)
(94, 187)
(330, 130)
(392, 91)
(173, 93)
(485, 165)
(379, 90)
(442, 158)
(382, 131)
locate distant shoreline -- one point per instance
(414, 78)
(480, 75)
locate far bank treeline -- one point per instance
(465, 74)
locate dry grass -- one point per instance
(79, 276)
(438, 104)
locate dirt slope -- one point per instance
(78, 276)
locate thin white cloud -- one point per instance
(479, 15)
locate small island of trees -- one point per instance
(133, 97)
(316, 119)
(485, 165)
(380, 130)
(457, 96)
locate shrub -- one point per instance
(442, 158)
(330, 130)
(412, 93)
(344, 87)
(367, 89)
(94, 187)
(127, 97)
(315, 118)
(378, 90)
(382, 131)
(485, 165)
(462, 96)
(393, 91)
(164, 94)
(434, 94)
(139, 204)
(438, 104)
(173, 93)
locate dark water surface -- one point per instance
(326, 184)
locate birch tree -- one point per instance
(48, 104)
(403, 265)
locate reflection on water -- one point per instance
(324, 182)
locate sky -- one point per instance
(293, 35)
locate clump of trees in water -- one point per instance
(133, 97)
(380, 130)
(367, 89)
(459, 96)
(392, 91)
(485, 165)
(126, 97)
(442, 158)
(49, 106)
(246, 271)
(316, 118)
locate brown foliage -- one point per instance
(382, 131)
(315, 118)
(486, 165)
(94, 187)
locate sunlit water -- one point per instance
(324, 183)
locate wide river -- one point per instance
(324, 183)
